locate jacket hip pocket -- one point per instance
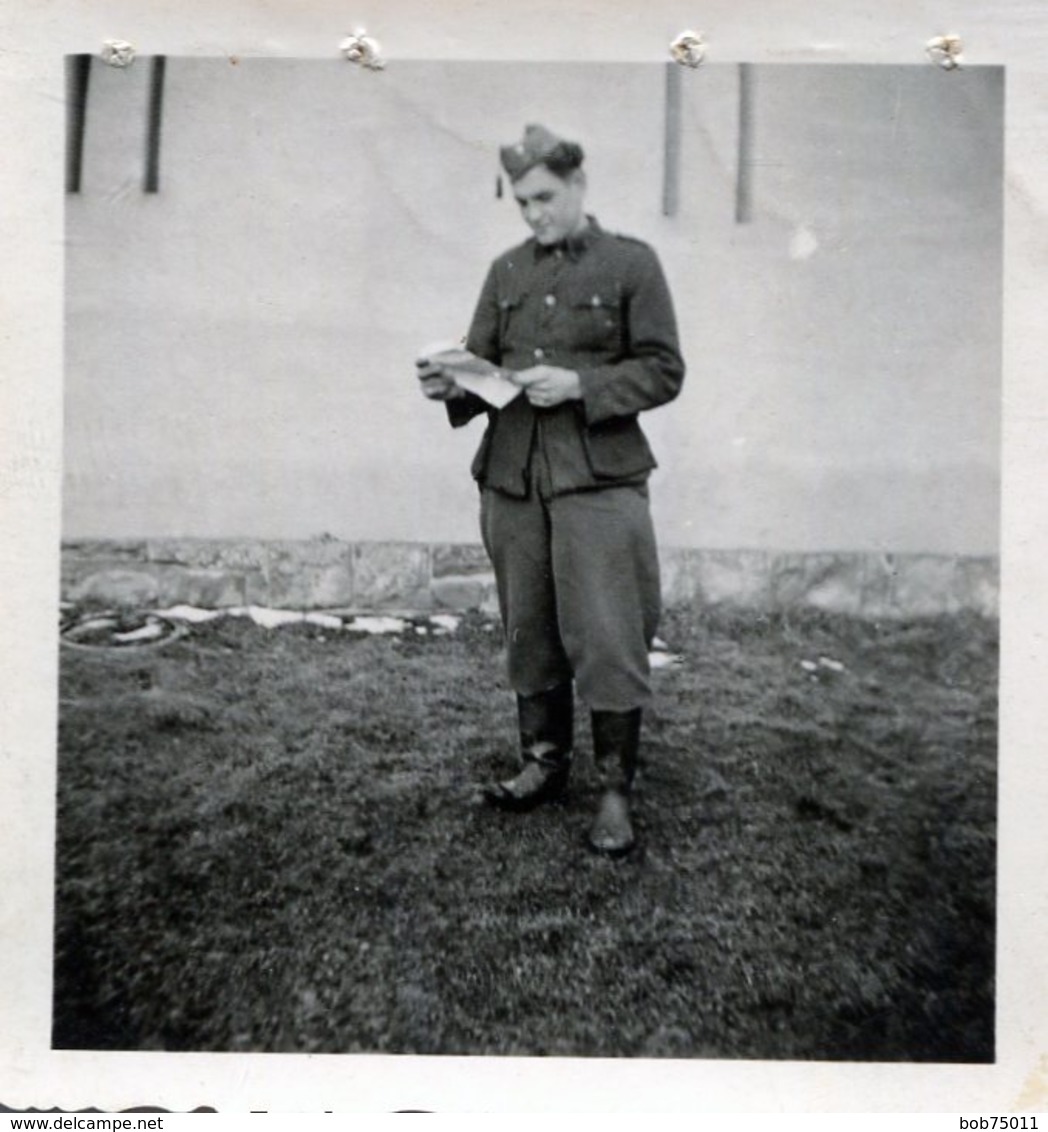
(617, 449)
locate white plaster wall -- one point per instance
(239, 346)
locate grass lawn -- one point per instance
(271, 840)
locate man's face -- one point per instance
(552, 208)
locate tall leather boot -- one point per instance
(547, 726)
(616, 740)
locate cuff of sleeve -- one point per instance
(461, 410)
(592, 389)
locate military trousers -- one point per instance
(578, 588)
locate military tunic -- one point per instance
(564, 504)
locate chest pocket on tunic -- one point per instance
(596, 318)
(512, 320)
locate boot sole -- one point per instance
(613, 852)
(500, 798)
(612, 831)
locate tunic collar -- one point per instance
(572, 246)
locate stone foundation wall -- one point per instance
(329, 574)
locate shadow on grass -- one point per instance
(271, 841)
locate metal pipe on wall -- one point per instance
(744, 175)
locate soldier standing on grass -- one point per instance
(582, 321)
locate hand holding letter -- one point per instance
(448, 370)
(548, 386)
(437, 385)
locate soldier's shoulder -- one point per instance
(630, 247)
(625, 238)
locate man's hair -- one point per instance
(563, 159)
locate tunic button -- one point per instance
(540, 353)
(596, 300)
(551, 300)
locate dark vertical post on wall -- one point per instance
(156, 111)
(744, 183)
(78, 79)
(671, 167)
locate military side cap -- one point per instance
(537, 144)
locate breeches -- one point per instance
(578, 586)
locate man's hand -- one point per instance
(547, 386)
(437, 385)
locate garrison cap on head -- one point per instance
(537, 145)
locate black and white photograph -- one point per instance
(530, 557)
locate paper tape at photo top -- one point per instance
(118, 53)
(689, 48)
(946, 51)
(363, 49)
